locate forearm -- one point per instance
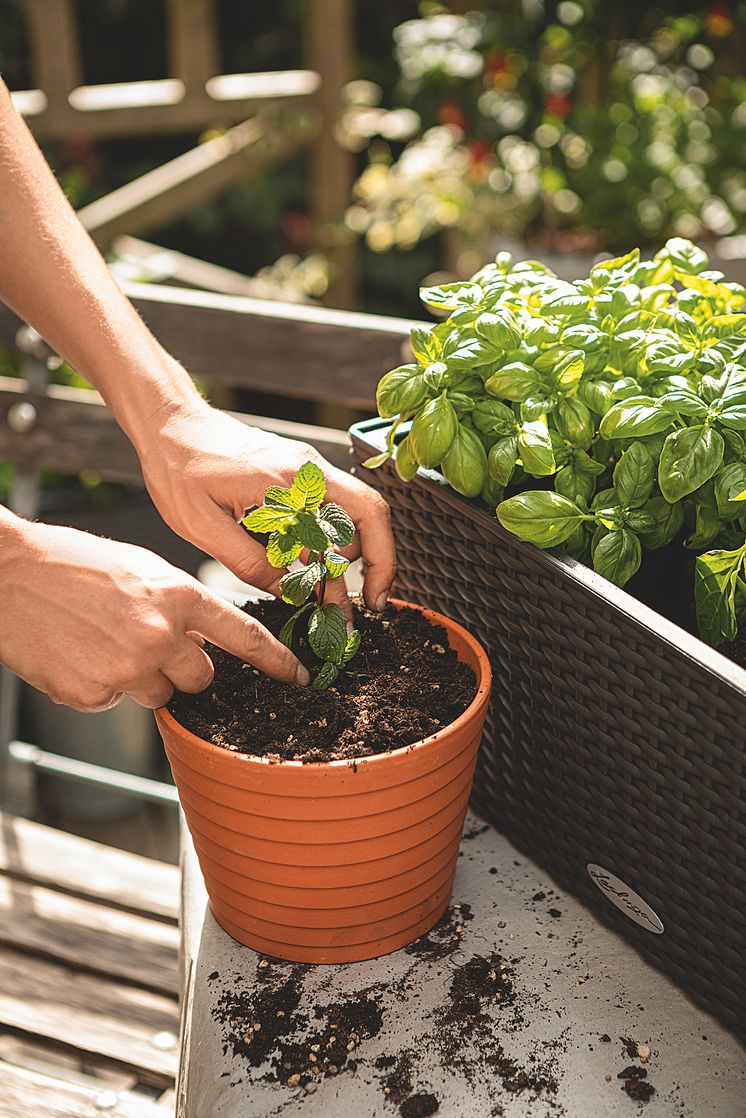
(53, 276)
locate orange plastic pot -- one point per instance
(332, 862)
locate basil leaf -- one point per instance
(498, 331)
(465, 464)
(501, 460)
(572, 483)
(730, 483)
(535, 449)
(634, 475)
(405, 463)
(595, 395)
(327, 632)
(543, 518)
(401, 391)
(514, 381)
(575, 422)
(685, 402)
(715, 575)
(734, 416)
(618, 556)
(451, 296)
(462, 351)
(633, 418)
(426, 345)
(492, 417)
(689, 458)
(432, 432)
(668, 520)
(684, 256)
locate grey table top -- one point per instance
(559, 982)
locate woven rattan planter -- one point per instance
(615, 739)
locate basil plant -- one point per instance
(606, 417)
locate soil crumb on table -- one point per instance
(404, 684)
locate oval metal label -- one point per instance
(626, 900)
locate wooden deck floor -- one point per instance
(89, 977)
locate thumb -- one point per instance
(230, 628)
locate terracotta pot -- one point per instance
(330, 862)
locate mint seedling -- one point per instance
(295, 521)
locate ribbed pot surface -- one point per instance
(332, 862)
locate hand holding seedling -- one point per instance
(297, 523)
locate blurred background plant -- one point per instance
(572, 126)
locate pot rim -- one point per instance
(484, 684)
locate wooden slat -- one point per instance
(308, 352)
(93, 1016)
(55, 56)
(28, 1094)
(88, 935)
(44, 856)
(192, 41)
(75, 431)
(162, 195)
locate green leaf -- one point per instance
(377, 460)
(668, 520)
(515, 381)
(617, 556)
(535, 449)
(327, 632)
(734, 416)
(297, 587)
(635, 417)
(492, 417)
(452, 296)
(336, 565)
(308, 486)
(689, 458)
(268, 518)
(284, 547)
(337, 525)
(433, 431)
(405, 462)
(715, 582)
(353, 644)
(564, 302)
(283, 498)
(401, 391)
(634, 475)
(310, 533)
(286, 632)
(468, 351)
(325, 677)
(685, 256)
(575, 422)
(596, 395)
(573, 483)
(501, 460)
(543, 518)
(498, 331)
(564, 365)
(730, 483)
(426, 345)
(685, 402)
(465, 464)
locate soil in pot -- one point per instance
(404, 684)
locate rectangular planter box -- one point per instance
(615, 740)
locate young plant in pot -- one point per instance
(605, 417)
(327, 819)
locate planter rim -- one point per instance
(484, 682)
(367, 432)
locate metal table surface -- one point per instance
(562, 1023)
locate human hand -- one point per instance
(89, 620)
(204, 468)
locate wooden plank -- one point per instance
(89, 936)
(45, 856)
(162, 195)
(75, 431)
(161, 105)
(192, 41)
(93, 1016)
(25, 1093)
(55, 56)
(330, 52)
(307, 352)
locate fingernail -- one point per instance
(381, 601)
(302, 677)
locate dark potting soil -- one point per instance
(404, 684)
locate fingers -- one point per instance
(232, 546)
(243, 636)
(370, 514)
(336, 592)
(153, 691)
(190, 668)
